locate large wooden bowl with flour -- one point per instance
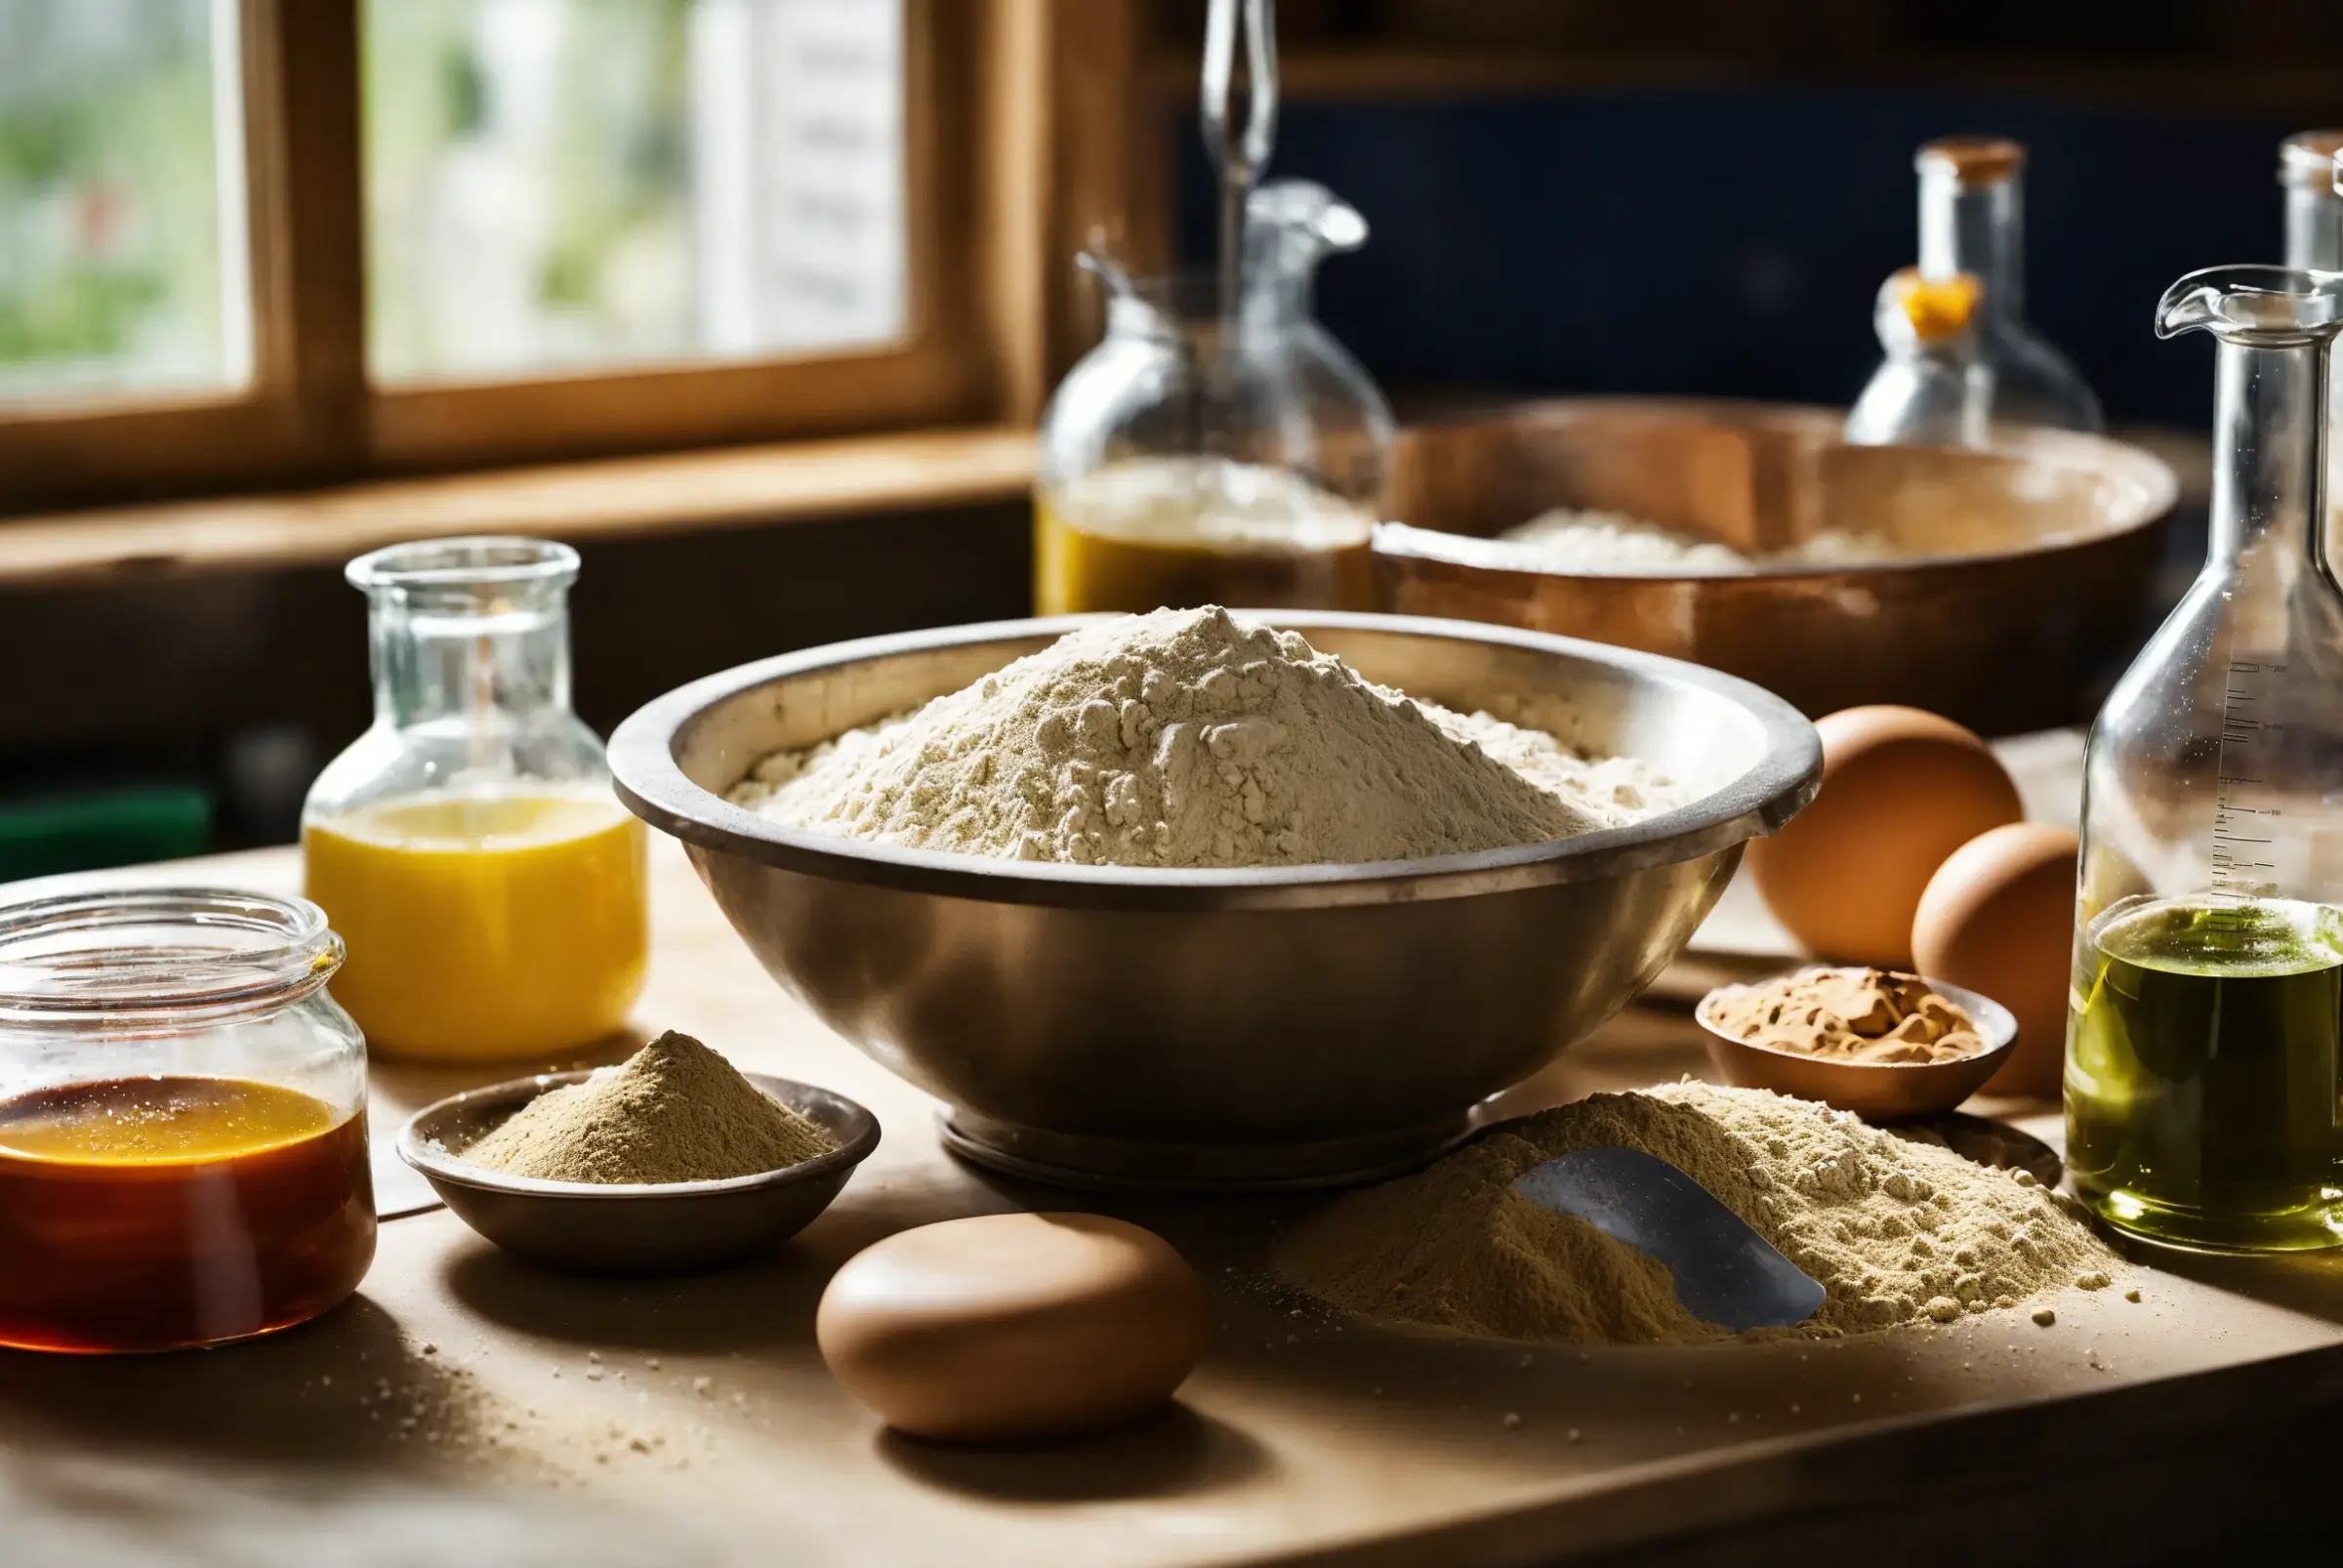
(1223, 1029)
(2023, 578)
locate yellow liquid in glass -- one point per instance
(484, 925)
(1172, 533)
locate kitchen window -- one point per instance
(317, 240)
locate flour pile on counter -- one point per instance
(1189, 738)
(1895, 1230)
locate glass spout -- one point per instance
(2276, 326)
(1291, 227)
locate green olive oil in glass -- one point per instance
(2204, 1101)
(2204, 1034)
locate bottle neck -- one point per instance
(2269, 430)
(2313, 228)
(492, 667)
(1976, 229)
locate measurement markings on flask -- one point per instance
(2243, 833)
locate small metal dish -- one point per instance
(1875, 1091)
(592, 1229)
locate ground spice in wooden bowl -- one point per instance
(674, 1111)
(1848, 1015)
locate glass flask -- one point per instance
(2205, 1105)
(468, 847)
(1179, 469)
(1961, 357)
(183, 1121)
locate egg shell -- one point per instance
(1009, 1327)
(1999, 917)
(1902, 789)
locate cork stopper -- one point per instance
(2308, 159)
(1971, 160)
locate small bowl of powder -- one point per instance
(1885, 1045)
(671, 1162)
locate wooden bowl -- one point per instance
(2030, 587)
(1875, 1091)
(675, 1228)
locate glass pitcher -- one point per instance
(468, 847)
(2205, 1105)
(1961, 357)
(1177, 469)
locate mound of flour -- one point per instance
(1612, 544)
(1188, 738)
(1896, 1230)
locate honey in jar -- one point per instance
(1182, 532)
(148, 1213)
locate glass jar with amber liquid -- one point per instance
(183, 1121)
(2204, 1042)
(1203, 455)
(468, 847)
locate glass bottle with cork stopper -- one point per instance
(2205, 1048)
(468, 847)
(1961, 357)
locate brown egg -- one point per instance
(1013, 1326)
(1999, 917)
(1902, 790)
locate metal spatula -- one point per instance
(1725, 1272)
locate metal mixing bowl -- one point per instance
(1223, 1029)
(2029, 584)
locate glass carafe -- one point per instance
(1184, 461)
(2205, 1105)
(468, 847)
(1960, 356)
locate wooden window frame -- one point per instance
(985, 223)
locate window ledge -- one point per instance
(612, 498)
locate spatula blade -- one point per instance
(1725, 1272)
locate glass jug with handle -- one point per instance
(1187, 461)
(468, 847)
(2205, 1048)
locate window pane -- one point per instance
(566, 184)
(122, 245)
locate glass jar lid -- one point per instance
(203, 952)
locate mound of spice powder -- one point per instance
(1872, 1015)
(674, 1111)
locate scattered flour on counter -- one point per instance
(1896, 1230)
(1189, 738)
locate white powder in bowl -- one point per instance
(1612, 544)
(1188, 738)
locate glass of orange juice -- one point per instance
(468, 847)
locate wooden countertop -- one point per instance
(468, 1409)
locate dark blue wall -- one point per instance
(1728, 241)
